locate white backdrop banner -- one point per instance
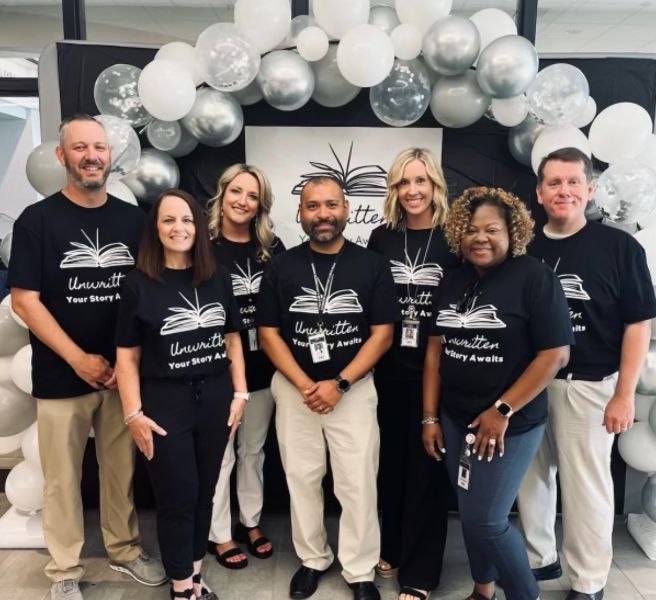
(357, 156)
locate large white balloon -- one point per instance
(266, 24)
(647, 239)
(587, 114)
(637, 447)
(6, 301)
(620, 131)
(312, 43)
(407, 41)
(558, 94)
(185, 56)
(11, 443)
(647, 380)
(123, 143)
(336, 17)
(12, 336)
(493, 23)
(122, 192)
(647, 155)
(626, 192)
(30, 444)
(21, 369)
(555, 138)
(166, 89)
(510, 111)
(422, 13)
(458, 101)
(17, 410)
(365, 55)
(24, 487)
(643, 405)
(44, 171)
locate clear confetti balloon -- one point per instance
(164, 135)
(216, 118)
(115, 93)
(286, 80)
(330, 87)
(404, 95)
(558, 94)
(124, 145)
(156, 172)
(626, 192)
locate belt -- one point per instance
(580, 376)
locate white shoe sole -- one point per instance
(121, 569)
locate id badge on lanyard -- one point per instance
(465, 463)
(252, 340)
(318, 347)
(410, 333)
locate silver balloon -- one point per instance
(648, 498)
(124, 144)
(522, 138)
(652, 418)
(44, 171)
(13, 337)
(156, 172)
(404, 95)
(330, 87)
(647, 380)
(626, 192)
(164, 135)
(507, 66)
(384, 17)
(17, 409)
(251, 94)
(116, 94)
(451, 45)
(5, 248)
(216, 118)
(298, 24)
(186, 145)
(458, 101)
(286, 80)
(592, 212)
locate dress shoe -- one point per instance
(364, 590)
(574, 595)
(552, 571)
(304, 582)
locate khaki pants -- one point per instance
(578, 448)
(64, 426)
(351, 435)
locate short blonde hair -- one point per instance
(261, 226)
(518, 218)
(392, 210)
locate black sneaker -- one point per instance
(552, 571)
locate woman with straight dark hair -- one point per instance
(180, 371)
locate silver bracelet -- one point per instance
(242, 396)
(133, 415)
(429, 420)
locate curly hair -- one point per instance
(518, 218)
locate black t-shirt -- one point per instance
(362, 294)
(416, 276)
(179, 327)
(77, 259)
(240, 258)
(491, 329)
(603, 272)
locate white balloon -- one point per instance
(185, 56)
(167, 90)
(407, 41)
(121, 191)
(647, 239)
(21, 369)
(620, 131)
(5, 248)
(336, 17)
(5, 369)
(638, 447)
(647, 155)
(510, 111)
(312, 43)
(365, 55)
(24, 487)
(17, 409)
(587, 114)
(6, 301)
(266, 24)
(44, 171)
(30, 445)
(647, 379)
(11, 443)
(554, 138)
(422, 13)
(643, 405)
(12, 336)
(492, 24)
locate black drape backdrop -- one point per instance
(475, 155)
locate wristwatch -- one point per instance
(343, 385)
(504, 408)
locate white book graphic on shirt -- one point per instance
(572, 285)
(94, 255)
(246, 283)
(194, 317)
(475, 317)
(337, 303)
(416, 273)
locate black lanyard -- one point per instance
(322, 299)
(410, 265)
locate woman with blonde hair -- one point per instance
(243, 237)
(412, 488)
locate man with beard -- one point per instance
(325, 316)
(70, 254)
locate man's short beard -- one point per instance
(325, 238)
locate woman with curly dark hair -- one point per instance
(500, 331)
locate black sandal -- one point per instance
(241, 535)
(222, 558)
(184, 594)
(409, 591)
(205, 592)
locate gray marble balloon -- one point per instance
(458, 101)
(156, 172)
(249, 95)
(216, 118)
(522, 138)
(404, 95)
(186, 145)
(286, 80)
(507, 66)
(330, 87)
(384, 17)
(648, 497)
(451, 45)
(115, 93)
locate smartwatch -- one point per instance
(343, 385)
(504, 408)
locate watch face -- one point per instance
(343, 385)
(503, 408)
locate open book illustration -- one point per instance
(194, 317)
(367, 180)
(246, 283)
(337, 303)
(415, 273)
(475, 317)
(572, 285)
(93, 255)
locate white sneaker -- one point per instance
(68, 589)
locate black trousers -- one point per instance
(186, 463)
(413, 489)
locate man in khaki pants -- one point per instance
(325, 314)
(70, 254)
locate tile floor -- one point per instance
(633, 576)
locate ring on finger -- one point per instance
(492, 442)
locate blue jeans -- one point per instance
(495, 549)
